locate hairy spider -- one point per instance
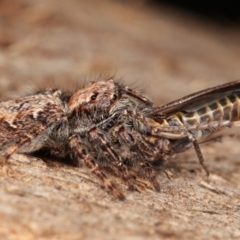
(74, 125)
(107, 123)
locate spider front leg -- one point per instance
(133, 140)
(101, 143)
(83, 155)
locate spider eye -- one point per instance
(114, 96)
(94, 96)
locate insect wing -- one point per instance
(196, 100)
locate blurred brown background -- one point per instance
(156, 47)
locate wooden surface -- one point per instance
(169, 55)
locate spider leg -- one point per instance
(139, 147)
(101, 142)
(82, 154)
(13, 148)
(150, 175)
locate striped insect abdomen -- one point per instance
(225, 109)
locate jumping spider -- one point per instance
(107, 123)
(76, 125)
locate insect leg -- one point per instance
(198, 151)
(82, 154)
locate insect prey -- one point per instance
(108, 124)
